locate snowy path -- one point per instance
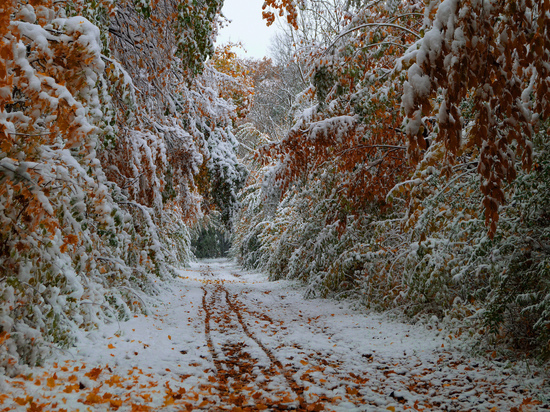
(225, 339)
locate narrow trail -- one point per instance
(357, 388)
(223, 339)
(244, 380)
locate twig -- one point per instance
(362, 26)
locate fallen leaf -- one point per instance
(71, 388)
(21, 401)
(94, 373)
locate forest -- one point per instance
(394, 153)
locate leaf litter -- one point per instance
(223, 339)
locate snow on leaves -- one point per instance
(427, 123)
(473, 58)
(101, 134)
(50, 113)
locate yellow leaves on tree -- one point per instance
(239, 87)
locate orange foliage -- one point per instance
(355, 128)
(282, 8)
(239, 88)
(484, 59)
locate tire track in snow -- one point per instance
(315, 362)
(241, 380)
(314, 351)
(295, 386)
(224, 313)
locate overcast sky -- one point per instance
(247, 27)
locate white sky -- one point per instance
(247, 27)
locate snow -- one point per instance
(218, 337)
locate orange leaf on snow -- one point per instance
(391, 408)
(50, 382)
(93, 398)
(114, 380)
(71, 388)
(115, 403)
(303, 362)
(146, 397)
(21, 401)
(94, 373)
(352, 391)
(111, 346)
(140, 408)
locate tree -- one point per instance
(474, 53)
(103, 131)
(276, 87)
(390, 185)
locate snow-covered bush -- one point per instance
(99, 147)
(463, 93)
(432, 259)
(65, 240)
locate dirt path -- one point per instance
(222, 339)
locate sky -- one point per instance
(247, 27)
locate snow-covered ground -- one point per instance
(221, 338)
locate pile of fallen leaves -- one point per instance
(73, 386)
